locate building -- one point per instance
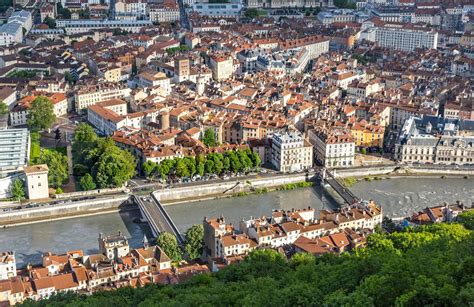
(10, 33)
(332, 147)
(114, 246)
(222, 9)
(14, 150)
(406, 37)
(74, 26)
(222, 67)
(435, 140)
(168, 11)
(88, 95)
(291, 152)
(37, 181)
(7, 265)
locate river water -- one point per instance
(398, 197)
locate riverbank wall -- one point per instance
(397, 170)
(227, 188)
(52, 212)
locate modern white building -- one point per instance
(291, 152)
(405, 37)
(232, 9)
(333, 147)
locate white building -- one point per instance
(232, 9)
(7, 265)
(333, 147)
(114, 247)
(37, 181)
(405, 37)
(291, 152)
(72, 26)
(23, 18)
(168, 11)
(89, 95)
(10, 33)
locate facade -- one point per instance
(7, 265)
(279, 4)
(37, 181)
(168, 11)
(232, 9)
(291, 152)
(90, 95)
(433, 140)
(114, 246)
(221, 66)
(405, 37)
(14, 149)
(72, 26)
(332, 147)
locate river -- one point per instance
(398, 197)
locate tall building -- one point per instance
(37, 181)
(333, 147)
(181, 69)
(405, 37)
(291, 152)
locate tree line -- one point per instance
(232, 161)
(424, 266)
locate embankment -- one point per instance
(50, 212)
(225, 188)
(397, 170)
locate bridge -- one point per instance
(346, 194)
(158, 219)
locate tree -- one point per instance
(200, 169)
(57, 164)
(41, 113)
(467, 219)
(87, 182)
(17, 190)
(181, 169)
(251, 13)
(114, 167)
(50, 22)
(169, 245)
(209, 138)
(3, 108)
(149, 168)
(59, 191)
(194, 241)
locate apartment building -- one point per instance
(332, 147)
(291, 152)
(405, 37)
(7, 265)
(168, 11)
(88, 95)
(74, 26)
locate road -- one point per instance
(183, 16)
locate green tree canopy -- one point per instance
(41, 114)
(209, 138)
(57, 164)
(17, 190)
(3, 108)
(114, 167)
(194, 241)
(169, 245)
(87, 182)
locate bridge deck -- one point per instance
(157, 217)
(340, 189)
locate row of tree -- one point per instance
(212, 163)
(194, 243)
(99, 162)
(426, 266)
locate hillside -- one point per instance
(430, 265)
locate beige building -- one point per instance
(90, 95)
(37, 181)
(222, 67)
(114, 247)
(333, 147)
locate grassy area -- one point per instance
(292, 186)
(349, 181)
(35, 148)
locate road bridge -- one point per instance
(158, 219)
(343, 191)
